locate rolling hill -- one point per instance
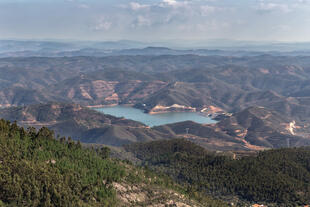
(255, 128)
(273, 177)
(161, 83)
(228, 83)
(81, 123)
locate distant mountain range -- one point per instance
(18, 48)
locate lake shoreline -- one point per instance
(107, 105)
(154, 119)
(151, 112)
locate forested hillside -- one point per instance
(274, 177)
(38, 170)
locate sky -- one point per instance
(156, 20)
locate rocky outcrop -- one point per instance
(145, 195)
(173, 108)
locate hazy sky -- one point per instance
(156, 20)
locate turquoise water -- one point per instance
(155, 119)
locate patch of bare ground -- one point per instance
(145, 191)
(150, 196)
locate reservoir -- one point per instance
(154, 119)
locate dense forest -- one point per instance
(276, 177)
(37, 169)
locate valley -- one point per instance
(216, 86)
(155, 83)
(255, 128)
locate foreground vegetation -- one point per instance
(38, 170)
(275, 177)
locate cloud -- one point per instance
(83, 6)
(174, 3)
(273, 7)
(136, 6)
(283, 28)
(303, 1)
(102, 24)
(206, 10)
(142, 21)
(164, 14)
(138, 19)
